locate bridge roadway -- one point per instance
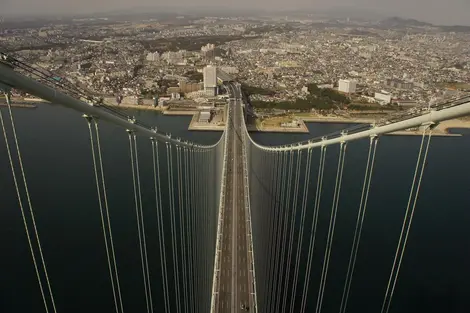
(234, 287)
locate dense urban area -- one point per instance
(291, 67)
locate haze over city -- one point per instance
(450, 12)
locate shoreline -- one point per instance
(441, 130)
(24, 105)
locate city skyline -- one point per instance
(455, 11)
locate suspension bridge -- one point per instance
(236, 221)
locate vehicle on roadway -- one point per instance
(243, 307)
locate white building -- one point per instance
(347, 86)
(204, 117)
(383, 97)
(207, 47)
(229, 69)
(210, 80)
(153, 57)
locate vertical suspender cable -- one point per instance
(173, 232)
(181, 225)
(199, 229)
(102, 213)
(214, 219)
(206, 230)
(292, 226)
(279, 210)
(316, 209)
(272, 168)
(105, 196)
(275, 244)
(188, 228)
(7, 96)
(288, 191)
(193, 227)
(301, 231)
(359, 222)
(273, 202)
(160, 224)
(408, 219)
(137, 212)
(331, 228)
(142, 226)
(195, 235)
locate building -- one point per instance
(208, 47)
(293, 124)
(204, 117)
(406, 103)
(174, 57)
(347, 86)
(229, 69)
(400, 84)
(187, 87)
(153, 57)
(210, 80)
(383, 97)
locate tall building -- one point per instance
(210, 80)
(347, 86)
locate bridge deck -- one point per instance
(234, 287)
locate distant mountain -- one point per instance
(398, 22)
(456, 29)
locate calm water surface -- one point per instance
(434, 274)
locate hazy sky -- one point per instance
(436, 11)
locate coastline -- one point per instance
(443, 129)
